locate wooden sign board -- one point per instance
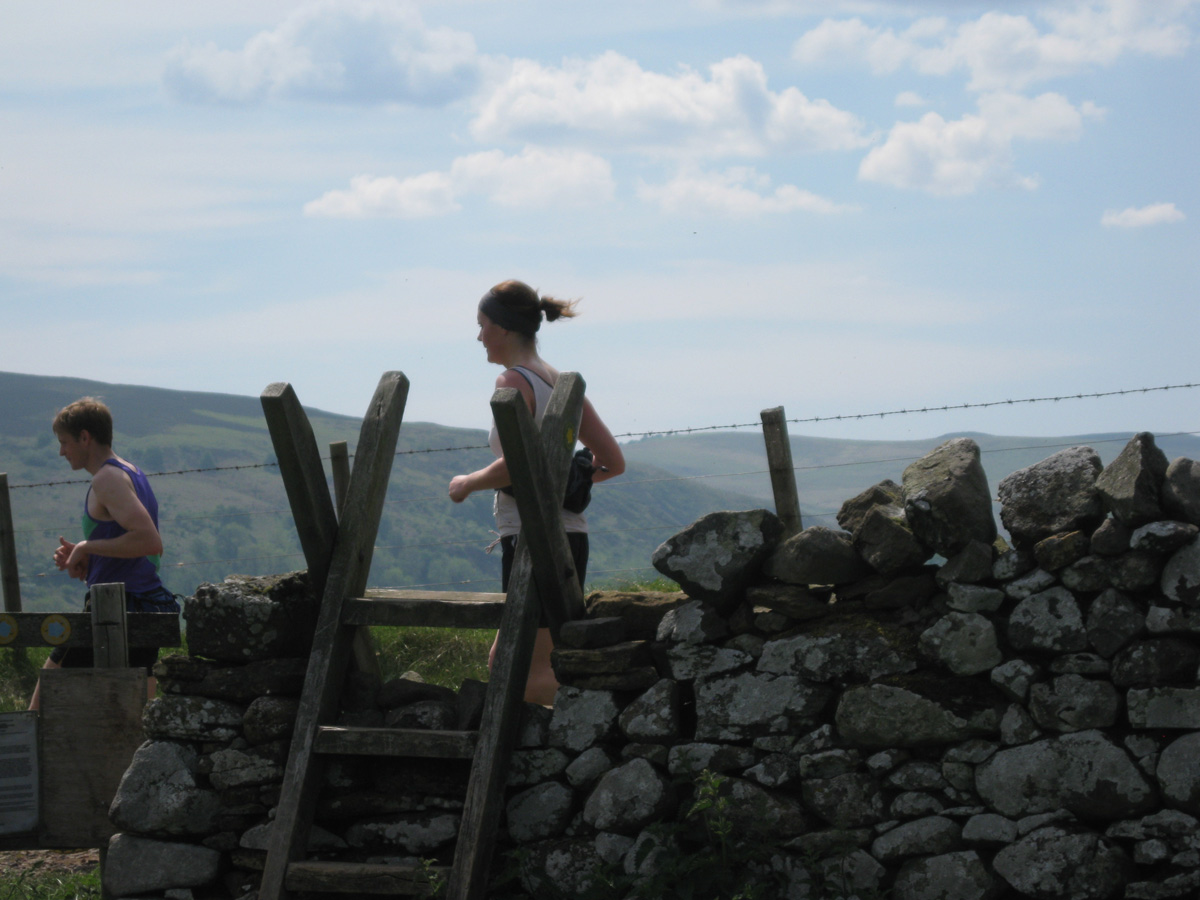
(91, 724)
(18, 773)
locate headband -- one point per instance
(508, 319)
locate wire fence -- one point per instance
(619, 483)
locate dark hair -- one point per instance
(515, 306)
(86, 414)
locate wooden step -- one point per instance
(396, 742)
(431, 609)
(363, 878)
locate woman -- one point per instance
(509, 316)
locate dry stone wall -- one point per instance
(906, 706)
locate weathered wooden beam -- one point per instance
(109, 644)
(396, 742)
(423, 612)
(783, 474)
(348, 571)
(303, 478)
(339, 464)
(10, 580)
(538, 464)
(74, 629)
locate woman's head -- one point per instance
(516, 307)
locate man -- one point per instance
(121, 543)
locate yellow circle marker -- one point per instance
(570, 436)
(8, 629)
(55, 629)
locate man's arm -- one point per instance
(112, 489)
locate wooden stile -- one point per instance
(346, 604)
(783, 474)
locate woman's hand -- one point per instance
(460, 488)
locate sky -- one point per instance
(839, 208)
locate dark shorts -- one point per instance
(159, 601)
(576, 540)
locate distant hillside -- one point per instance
(216, 523)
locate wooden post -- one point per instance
(10, 581)
(783, 474)
(109, 635)
(339, 462)
(538, 464)
(8, 551)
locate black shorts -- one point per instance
(576, 540)
(159, 601)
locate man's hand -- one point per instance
(72, 557)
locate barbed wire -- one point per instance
(690, 430)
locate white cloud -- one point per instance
(956, 157)
(1135, 217)
(352, 51)
(910, 98)
(612, 100)
(739, 192)
(534, 178)
(1003, 51)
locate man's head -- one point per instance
(85, 414)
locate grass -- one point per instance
(444, 656)
(36, 883)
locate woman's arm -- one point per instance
(495, 474)
(609, 460)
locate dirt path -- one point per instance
(13, 862)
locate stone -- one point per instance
(716, 556)
(654, 716)
(1013, 563)
(1135, 570)
(1032, 582)
(237, 684)
(543, 811)
(949, 876)
(162, 795)
(816, 555)
(427, 715)
(1053, 496)
(571, 664)
(559, 867)
(1084, 772)
(886, 494)
(1060, 550)
(1181, 576)
(1048, 621)
(792, 600)
(692, 759)
(1156, 661)
(247, 618)
(1163, 537)
(528, 767)
(136, 865)
(989, 829)
(916, 713)
(581, 718)
(850, 800)
(965, 643)
(843, 651)
(1055, 862)
(1074, 703)
(269, 719)
(970, 565)
(1164, 707)
(586, 634)
(414, 833)
(947, 501)
(1181, 490)
(641, 612)
(902, 591)
(1080, 664)
(974, 598)
(241, 768)
(886, 544)
(1087, 575)
(693, 623)
(1131, 485)
(687, 662)
(1111, 538)
(917, 775)
(756, 811)
(930, 836)
(1165, 620)
(588, 766)
(914, 805)
(1014, 678)
(748, 705)
(1017, 726)
(852, 874)
(775, 770)
(628, 798)
(1113, 621)
(185, 718)
(410, 688)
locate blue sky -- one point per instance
(837, 207)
